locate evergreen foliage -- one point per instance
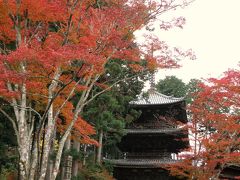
(110, 111)
(8, 149)
(172, 86)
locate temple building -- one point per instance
(154, 139)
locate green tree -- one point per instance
(172, 86)
(110, 112)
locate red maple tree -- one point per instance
(51, 50)
(214, 129)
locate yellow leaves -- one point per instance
(55, 145)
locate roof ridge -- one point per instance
(170, 97)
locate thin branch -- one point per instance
(54, 80)
(58, 92)
(69, 22)
(36, 94)
(14, 102)
(3, 51)
(65, 135)
(27, 107)
(158, 11)
(80, 105)
(83, 94)
(109, 87)
(32, 126)
(66, 100)
(35, 32)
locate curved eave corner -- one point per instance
(156, 98)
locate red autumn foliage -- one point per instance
(52, 51)
(159, 55)
(93, 36)
(214, 128)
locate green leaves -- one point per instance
(172, 86)
(110, 111)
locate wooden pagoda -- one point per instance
(154, 139)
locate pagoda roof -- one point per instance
(140, 163)
(153, 131)
(155, 98)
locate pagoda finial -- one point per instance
(152, 81)
(152, 73)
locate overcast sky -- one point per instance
(212, 30)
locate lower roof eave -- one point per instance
(143, 163)
(156, 131)
(138, 166)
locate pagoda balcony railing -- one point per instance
(149, 155)
(140, 162)
(153, 131)
(153, 125)
(153, 155)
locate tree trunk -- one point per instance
(50, 162)
(76, 146)
(24, 152)
(78, 110)
(67, 147)
(47, 144)
(68, 161)
(24, 163)
(24, 140)
(49, 170)
(50, 128)
(58, 160)
(84, 154)
(20, 114)
(95, 154)
(99, 151)
(34, 156)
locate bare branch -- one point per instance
(69, 22)
(32, 126)
(14, 102)
(108, 88)
(36, 94)
(26, 108)
(35, 32)
(66, 100)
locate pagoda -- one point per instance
(154, 139)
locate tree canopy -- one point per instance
(214, 129)
(172, 86)
(53, 50)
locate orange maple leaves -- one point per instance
(72, 36)
(75, 37)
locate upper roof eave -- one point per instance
(156, 98)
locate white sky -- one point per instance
(212, 30)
